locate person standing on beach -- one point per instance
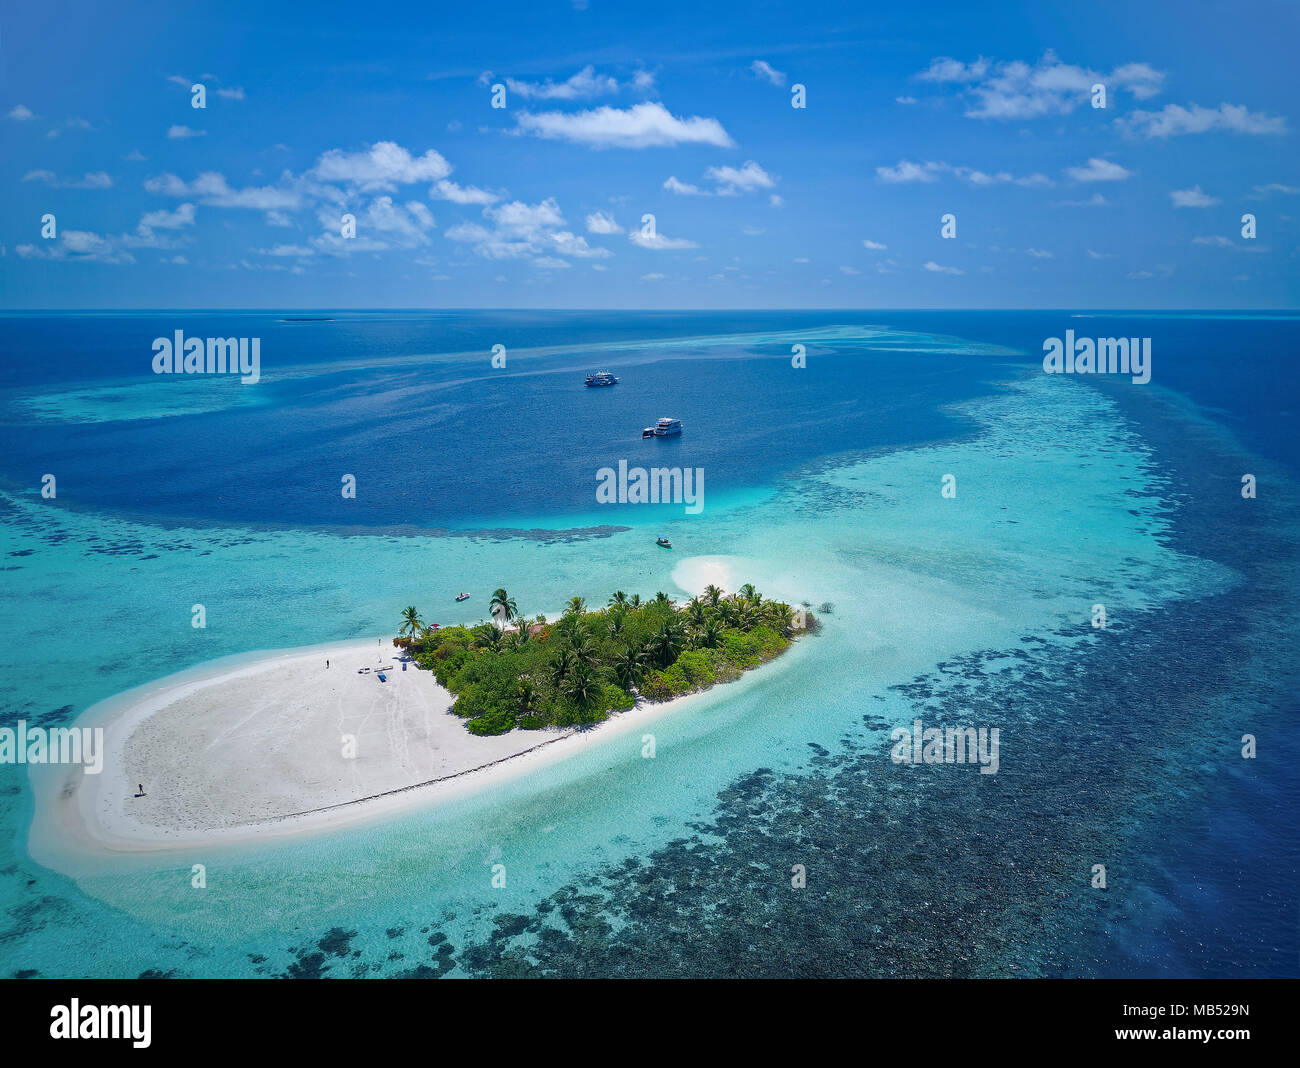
(327, 665)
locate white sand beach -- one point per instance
(257, 749)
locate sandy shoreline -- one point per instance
(231, 752)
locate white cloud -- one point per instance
(1215, 240)
(1039, 253)
(747, 177)
(21, 113)
(586, 83)
(1278, 187)
(381, 168)
(684, 189)
(939, 269)
(658, 242)
(1019, 90)
(1174, 120)
(583, 84)
(168, 220)
(875, 246)
(1192, 198)
(767, 72)
(907, 171)
(235, 92)
(461, 194)
(91, 180)
(598, 222)
(211, 188)
(78, 246)
(849, 270)
(1099, 170)
(1094, 201)
(183, 132)
(776, 200)
(640, 126)
(568, 244)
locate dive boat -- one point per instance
(601, 378)
(463, 597)
(664, 542)
(666, 427)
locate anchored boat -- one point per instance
(601, 378)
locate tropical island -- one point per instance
(515, 672)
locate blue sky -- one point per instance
(679, 110)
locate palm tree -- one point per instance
(519, 637)
(635, 600)
(487, 637)
(577, 606)
(584, 650)
(503, 606)
(411, 621)
(527, 695)
(696, 612)
(662, 598)
(617, 624)
(667, 642)
(619, 598)
(561, 666)
(629, 667)
(710, 634)
(582, 687)
(713, 594)
(781, 616)
(747, 591)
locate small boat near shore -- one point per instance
(663, 543)
(601, 378)
(462, 597)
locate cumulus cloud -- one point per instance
(747, 177)
(211, 188)
(1174, 120)
(1192, 198)
(1019, 90)
(658, 242)
(875, 246)
(585, 83)
(1099, 170)
(598, 222)
(91, 180)
(684, 189)
(908, 171)
(767, 72)
(458, 194)
(168, 220)
(646, 125)
(21, 113)
(381, 168)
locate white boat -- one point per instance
(666, 427)
(601, 378)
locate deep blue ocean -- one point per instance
(825, 478)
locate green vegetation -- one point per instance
(517, 672)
